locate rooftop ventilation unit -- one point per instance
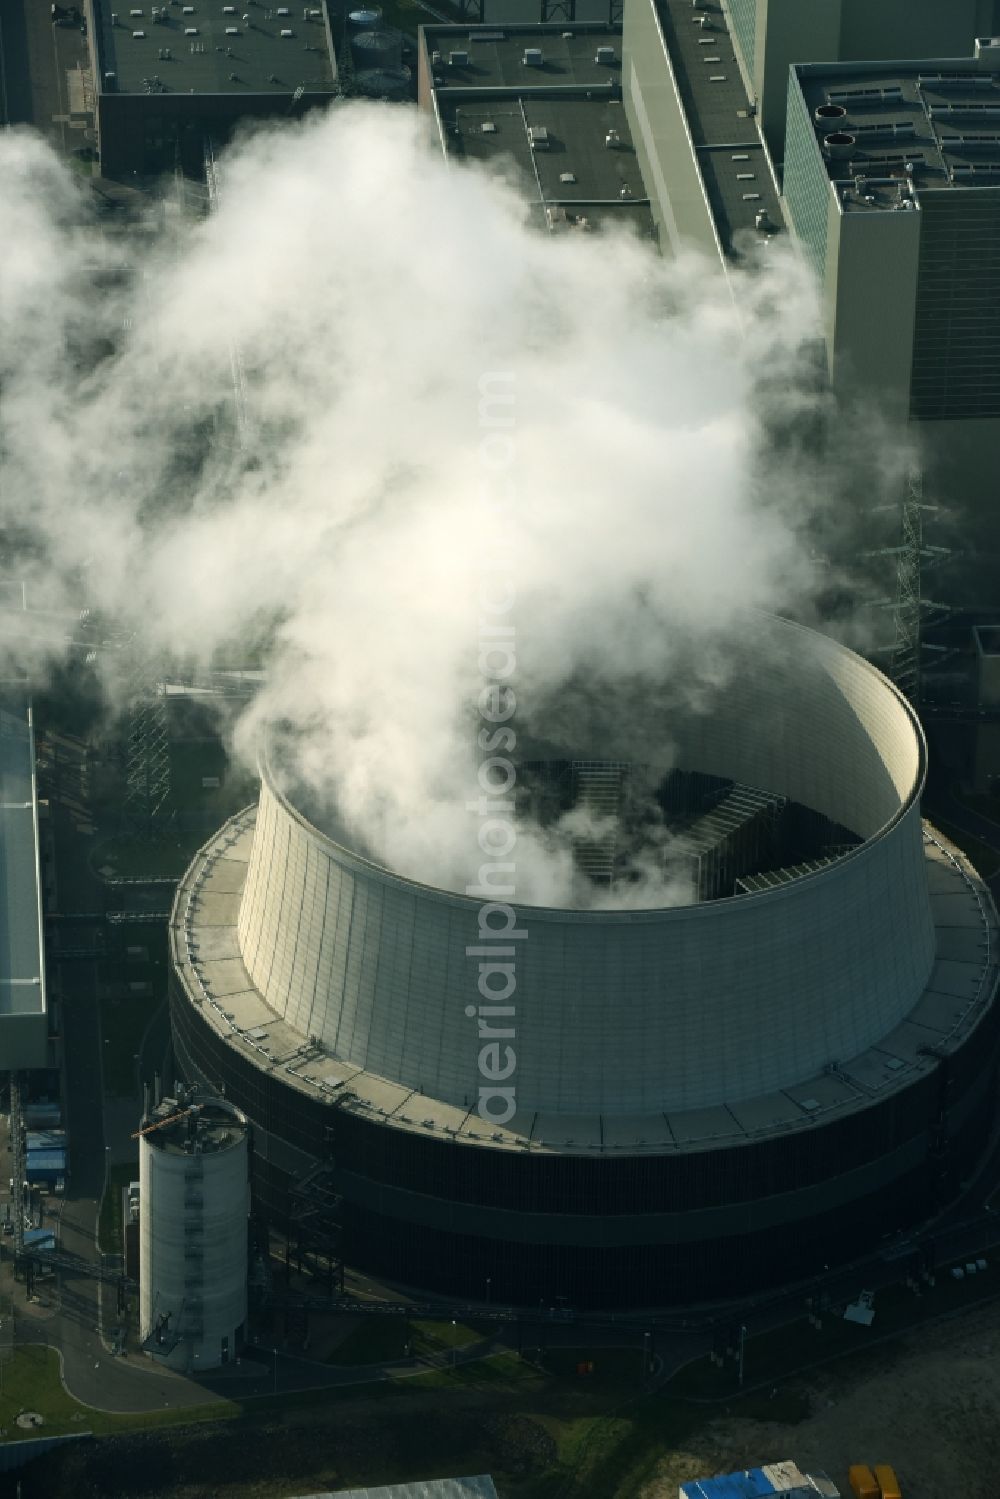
(612, 139)
(135, 12)
(605, 56)
(952, 83)
(232, 31)
(458, 59)
(977, 142)
(286, 32)
(855, 97)
(839, 144)
(533, 57)
(987, 52)
(138, 34)
(488, 127)
(975, 109)
(283, 10)
(538, 137)
(885, 127)
(567, 176)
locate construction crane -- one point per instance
(148, 1129)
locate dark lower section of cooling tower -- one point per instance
(601, 1230)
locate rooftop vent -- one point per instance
(987, 53)
(612, 139)
(839, 144)
(533, 57)
(538, 137)
(830, 112)
(567, 176)
(283, 10)
(488, 127)
(190, 31)
(138, 34)
(286, 32)
(605, 56)
(458, 59)
(232, 31)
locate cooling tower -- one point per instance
(676, 1103)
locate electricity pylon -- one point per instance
(911, 611)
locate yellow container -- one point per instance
(864, 1484)
(887, 1481)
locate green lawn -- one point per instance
(379, 1340)
(31, 1382)
(542, 1432)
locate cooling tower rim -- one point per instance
(824, 649)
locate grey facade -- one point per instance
(166, 76)
(892, 187)
(689, 1080)
(709, 177)
(23, 1006)
(772, 35)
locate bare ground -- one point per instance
(929, 1405)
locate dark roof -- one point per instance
(735, 167)
(194, 46)
(935, 124)
(561, 127)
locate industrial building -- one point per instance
(710, 1097)
(772, 35)
(709, 176)
(168, 76)
(545, 100)
(194, 1209)
(892, 186)
(24, 1038)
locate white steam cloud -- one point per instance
(369, 287)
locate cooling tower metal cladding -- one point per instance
(654, 1010)
(703, 1091)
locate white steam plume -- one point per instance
(369, 287)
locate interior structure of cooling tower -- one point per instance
(658, 1104)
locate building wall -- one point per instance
(809, 202)
(790, 31)
(144, 134)
(24, 1042)
(869, 303)
(956, 349)
(660, 135)
(798, 31)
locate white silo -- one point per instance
(194, 1205)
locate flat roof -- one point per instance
(561, 126)
(891, 126)
(197, 46)
(496, 55)
(735, 167)
(205, 950)
(22, 977)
